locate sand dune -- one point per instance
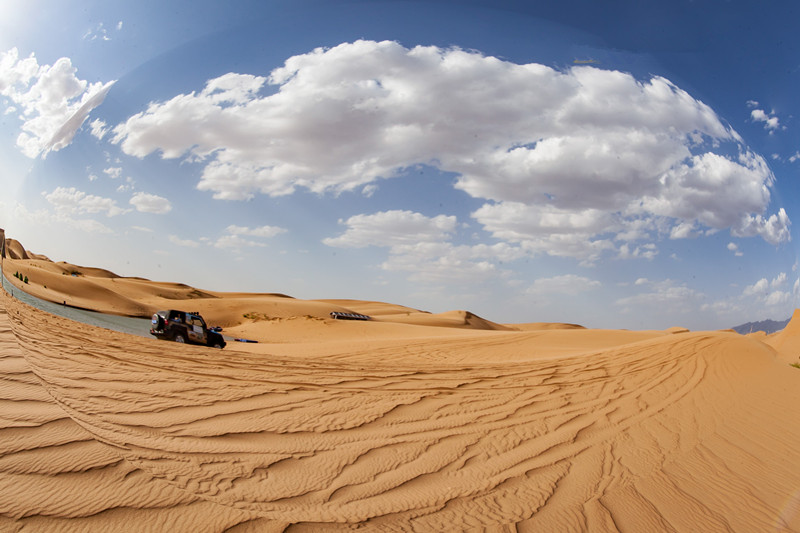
(787, 341)
(55, 475)
(409, 422)
(691, 432)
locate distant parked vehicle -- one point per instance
(185, 327)
(338, 315)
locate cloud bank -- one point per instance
(52, 100)
(573, 163)
(150, 203)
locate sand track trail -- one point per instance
(686, 432)
(55, 475)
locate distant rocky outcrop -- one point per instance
(767, 326)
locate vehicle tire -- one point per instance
(217, 345)
(179, 338)
(157, 321)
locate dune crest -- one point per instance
(101, 290)
(787, 341)
(15, 250)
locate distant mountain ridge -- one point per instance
(767, 326)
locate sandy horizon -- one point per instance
(411, 421)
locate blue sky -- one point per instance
(628, 165)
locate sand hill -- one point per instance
(409, 422)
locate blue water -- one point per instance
(123, 324)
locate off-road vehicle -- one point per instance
(188, 327)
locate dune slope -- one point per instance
(689, 432)
(55, 476)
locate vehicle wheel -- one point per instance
(157, 321)
(179, 338)
(217, 345)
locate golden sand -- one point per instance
(409, 422)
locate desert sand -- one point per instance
(411, 421)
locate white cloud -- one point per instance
(43, 217)
(261, 231)
(570, 161)
(794, 157)
(759, 287)
(99, 32)
(71, 201)
(668, 294)
(186, 243)
(774, 229)
(54, 101)
(777, 298)
(684, 230)
(764, 298)
(567, 284)
(98, 128)
(733, 247)
(235, 236)
(113, 172)
(763, 286)
(770, 121)
(770, 293)
(549, 229)
(236, 242)
(442, 262)
(646, 251)
(392, 228)
(418, 245)
(150, 203)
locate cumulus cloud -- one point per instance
(772, 293)
(645, 251)
(551, 230)
(98, 128)
(667, 293)
(61, 218)
(733, 247)
(763, 286)
(261, 231)
(567, 284)
(774, 229)
(771, 122)
(237, 242)
(150, 203)
(419, 246)
(765, 297)
(54, 102)
(639, 159)
(100, 32)
(235, 237)
(113, 172)
(392, 228)
(185, 243)
(71, 201)
(441, 262)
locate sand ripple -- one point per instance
(686, 432)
